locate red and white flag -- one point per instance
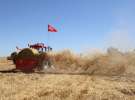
(51, 28)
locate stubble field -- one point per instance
(111, 78)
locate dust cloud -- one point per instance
(113, 62)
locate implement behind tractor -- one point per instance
(35, 57)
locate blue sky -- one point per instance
(81, 24)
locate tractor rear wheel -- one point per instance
(45, 64)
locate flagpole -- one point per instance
(50, 29)
(48, 38)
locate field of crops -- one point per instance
(102, 76)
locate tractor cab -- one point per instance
(40, 47)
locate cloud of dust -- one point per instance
(113, 62)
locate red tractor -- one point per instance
(31, 58)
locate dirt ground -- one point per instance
(35, 86)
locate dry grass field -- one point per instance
(109, 76)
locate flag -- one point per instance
(51, 28)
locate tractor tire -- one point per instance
(44, 65)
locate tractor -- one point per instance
(35, 57)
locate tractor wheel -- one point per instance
(45, 64)
(49, 62)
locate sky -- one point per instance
(81, 24)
